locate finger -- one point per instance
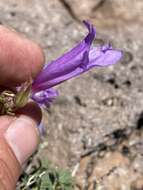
(5, 121)
(23, 131)
(10, 168)
(20, 58)
(17, 143)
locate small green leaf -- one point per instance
(46, 184)
(65, 177)
(47, 177)
(45, 163)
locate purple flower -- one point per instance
(45, 96)
(73, 63)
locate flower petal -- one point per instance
(69, 61)
(45, 97)
(42, 129)
(96, 57)
(103, 57)
(79, 60)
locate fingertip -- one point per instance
(20, 58)
(23, 137)
(36, 58)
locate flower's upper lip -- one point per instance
(64, 64)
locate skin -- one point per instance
(20, 59)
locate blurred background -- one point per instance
(95, 126)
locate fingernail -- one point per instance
(23, 137)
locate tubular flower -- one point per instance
(73, 63)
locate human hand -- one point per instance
(20, 59)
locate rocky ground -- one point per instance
(95, 127)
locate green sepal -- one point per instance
(23, 95)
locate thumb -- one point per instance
(17, 143)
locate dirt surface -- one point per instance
(95, 127)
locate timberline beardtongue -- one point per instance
(78, 60)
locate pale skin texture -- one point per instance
(20, 59)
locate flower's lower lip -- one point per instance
(45, 97)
